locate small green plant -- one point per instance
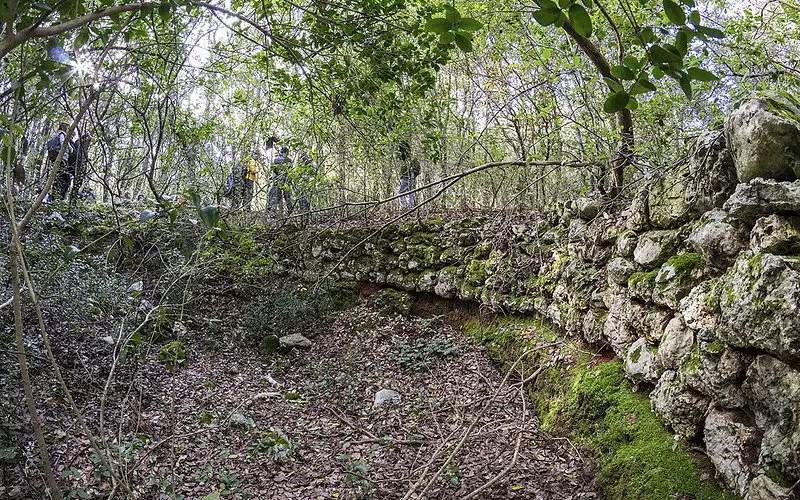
(454, 476)
(287, 308)
(172, 355)
(206, 417)
(424, 352)
(275, 445)
(165, 487)
(228, 482)
(356, 472)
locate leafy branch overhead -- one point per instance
(663, 49)
(453, 28)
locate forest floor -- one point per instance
(233, 422)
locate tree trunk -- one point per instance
(624, 117)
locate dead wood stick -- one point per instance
(466, 434)
(514, 458)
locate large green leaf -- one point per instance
(463, 42)
(623, 73)
(210, 216)
(642, 86)
(547, 16)
(470, 24)
(580, 20)
(701, 75)
(633, 62)
(438, 25)
(660, 55)
(614, 85)
(674, 12)
(686, 85)
(616, 101)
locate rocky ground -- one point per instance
(232, 422)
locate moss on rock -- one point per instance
(590, 401)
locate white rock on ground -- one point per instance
(386, 396)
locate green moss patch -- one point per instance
(588, 399)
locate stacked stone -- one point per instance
(696, 286)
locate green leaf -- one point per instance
(660, 55)
(710, 32)
(548, 16)
(701, 75)
(647, 35)
(210, 216)
(447, 38)
(694, 17)
(623, 73)
(632, 62)
(165, 11)
(642, 86)
(633, 104)
(452, 14)
(470, 24)
(686, 85)
(616, 102)
(614, 85)
(212, 496)
(81, 40)
(463, 42)
(438, 25)
(580, 20)
(674, 12)
(682, 41)
(564, 4)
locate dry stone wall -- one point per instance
(698, 292)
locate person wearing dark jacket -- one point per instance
(280, 191)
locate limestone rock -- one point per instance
(764, 139)
(655, 247)
(776, 234)
(772, 388)
(618, 270)
(679, 406)
(760, 305)
(732, 444)
(764, 197)
(294, 340)
(642, 284)
(699, 307)
(386, 396)
(676, 344)
(764, 488)
(716, 371)
(593, 322)
(626, 244)
(712, 175)
(666, 198)
(675, 279)
(449, 282)
(616, 328)
(640, 362)
(588, 207)
(648, 322)
(427, 281)
(636, 214)
(717, 242)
